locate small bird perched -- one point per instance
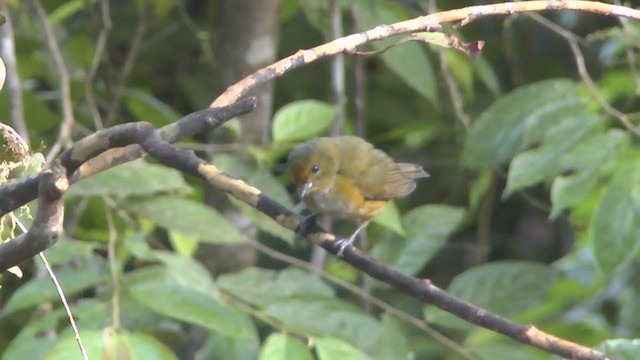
(346, 177)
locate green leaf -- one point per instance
(67, 347)
(134, 178)
(261, 178)
(188, 305)
(261, 287)
(224, 347)
(621, 349)
(102, 344)
(301, 120)
(496, 136)
(506, 288)
(390, 219)
(585, 160)
(428, 228)
(327, 316)
(146, 107)
(506, 351)
(68, 9)
(568, 191)
(283, 347)
(41, 289)
(264, 222)
(615, 227)
(329, 348)
(408, 61)
(180, 270)
(142, 346)
(189, 217)
(534, 166)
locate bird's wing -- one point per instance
(380, 178)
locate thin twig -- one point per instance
(105, 28)
(631, 56)
(13, 78)
(623, 118)
(454, 92)
(366, 295)
(113, 265)
(63, 298)
(132, 56)
(64, 136)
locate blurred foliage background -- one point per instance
(532, 209)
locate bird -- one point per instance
(346, 177)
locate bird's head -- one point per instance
(313, 166)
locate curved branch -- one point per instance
(110, 147)
(421, 289)
(47, 225)
(431, 22)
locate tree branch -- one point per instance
(421, 289)
(431, 22)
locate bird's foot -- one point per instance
(303, 226)
(343, 244)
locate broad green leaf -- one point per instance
(264, 222)
(225, 347)
(146, 107)
(185, 245)
(67, 347)
(408, 61)
(329, 348)
(327, 316)
(428, 228)
(621, 349)
(568, 191)
(533, 166)
(41, 289)
(506, 351)
(497, 134)
(142, 346)
(180, 270)
(68, 9)
(261, 287)
(281, 346)
(586, 160)
(189, 217)
(261, 178)
(301, 120)
(68, 249)
(615, 227)
(595, 150)
(549, 115)
(134, 178)
(188, 305)
(28, 344)
(506, 288)
(390, 219)
(107, 343)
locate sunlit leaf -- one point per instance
(329, 348)
(615, 227)
(188, 217)
(506, 288)
(301, 120)
(190, 306)
(497, 134)
(134, 178)
(281, 346)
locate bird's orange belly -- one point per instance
(343, 205)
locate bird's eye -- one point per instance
(315, 169)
